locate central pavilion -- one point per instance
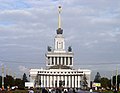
(59, 62)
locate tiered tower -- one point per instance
(59, 58)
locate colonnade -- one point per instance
(71, 81)
(60, 61)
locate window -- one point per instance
(70, 60)
(52, 61)
(63, 61)
(66, 60)
(59, 60)
(55, 60)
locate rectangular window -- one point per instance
(59, 60)
(55, 60)
(66, 60)
(63, 62)
(70, 60)
(52, 61)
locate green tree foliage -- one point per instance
(84, 82)
(97, 78)
(105, 82)
(9, 81)
(25, 78)
(19, 83)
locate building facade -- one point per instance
(59, 63)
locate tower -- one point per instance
(58, 57)
(59, 41)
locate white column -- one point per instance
(62, 78)
(54, 81)
(66, 81)
(57, 60)
(41, 80)
(47, 81)
(50, 81)
(44, 81)
(72, 81)
(68, 60)
(76, 81)
(58, 81)
(69, 85)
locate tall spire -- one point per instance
(59, 16)
(59, 30)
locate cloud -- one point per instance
(13, 4)
(91, 43)
(91, 27)
(23, 69)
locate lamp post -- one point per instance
(2, 77)
(112, 81)
(116, 77)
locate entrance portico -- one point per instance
(60, 78)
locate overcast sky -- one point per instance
(91, 27)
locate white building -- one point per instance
(59, 62)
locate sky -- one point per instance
(91, 27)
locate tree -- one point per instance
(97, 78)
(9, 81)
(19, 83)
(84, 82)
(105, 82)
(25, 78)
